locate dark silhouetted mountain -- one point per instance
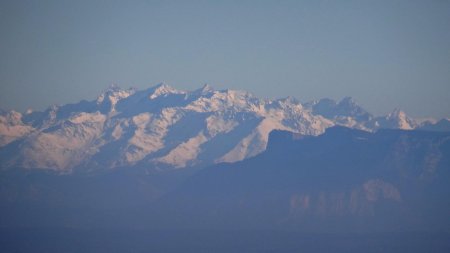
(343, 180)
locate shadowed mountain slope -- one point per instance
(165, 128)
(343, 180)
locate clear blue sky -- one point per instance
(385, 54)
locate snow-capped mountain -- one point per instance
(442, 125)
(168, 128)
(12, 127)
(348, 113)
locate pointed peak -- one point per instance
(111, 89)
(114, 86)
(53, 107)
(397, 113)
(399, 119)
(289, 99)
(162, 89)
(206, 88)
(114, 93)
(348, 101)
(162, 85)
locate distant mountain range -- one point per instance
(341, 181)
(165, 128)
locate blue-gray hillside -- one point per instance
(343, 180)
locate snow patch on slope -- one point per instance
(163, 125)
(164, 90)
(185, 153)
(12, 127)
(64, 146)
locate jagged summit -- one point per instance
(397, 113)
(202, 91)
(397, 119)
(345, 112)
(112, 88)
(163, 89)
(113, 94)
(289, 99)
(442, 125)
(206, 88)
(163, 127)
(348, 101)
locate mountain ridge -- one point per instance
(166, 128)
(344, 180)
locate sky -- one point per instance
(384, 54)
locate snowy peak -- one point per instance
(397, 112)
(331, 109)
(12, 127)
(208, 99)
(162, 127)
(111, 96)
(348, 101)
(288, 101)
(397, 119)
(206, 88)
(114, 91)
(205, 91)
(345, 113)
(11, 117)
(163, 89)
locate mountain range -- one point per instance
(208, 170)
(342, 181)
(345, 180)
(163, 128)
